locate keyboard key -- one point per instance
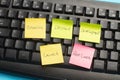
(1, 42)
(63, 17)
(117, 35)
(104, 24)
(24, 56)
(30, 45)
(36, 5)
(5, 22)
(48, 38)
(79, 10)
(59, 8)
(70, 50)
(11, 54)
(27, 4)
(63, 49)
(2, 53)
(112, 14)
(3, 12)
(48, 27)
(22, 14)
(101, 13)
(67, 42)
(47, 6)
(103, 54)
(5, 32)
(16, 23)
(69, 9)
(109, 44)
(118, 45)
(114, 55)
(95, 53)
(5, 3)
(16, 34)
(19, 44)
(89, 11)
(112, 66)
(38, 46)
(32, 15)
(9, 43)
(99, 65)
(113, 25)
(76, 31)
(36, 57)
(56, 40)
(100, 45)
(108, 34)
(89, 44)
(94, 21)
(17, 3)
(12, 14)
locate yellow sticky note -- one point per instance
(62, 28)
(51, 54)
(90, 32)
(35, 28)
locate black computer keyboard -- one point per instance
(22, 55)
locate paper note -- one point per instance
(51, 54)
(82, 56)
(90, 32)
(62, 28)
(35, 28)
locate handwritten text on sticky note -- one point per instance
(82, 56)
(90, 32)
(51, 54)
(62, 28)
(35, 28)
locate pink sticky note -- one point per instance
(82, 56)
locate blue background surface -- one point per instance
(12, 76)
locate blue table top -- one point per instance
(13, 76)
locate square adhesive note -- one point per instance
(82, 56)
(62, 28)
(51, 54)
(35, 28)
(90, 32)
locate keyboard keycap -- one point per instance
(11, 54)
(16, 23)
(101, 13)
(16, 34)
(89, 11)
(37, 5)
(112, 66)
(99, 65)
(47, 6)
(24, 56)
(22, 14)
(27, 4)
(69, 9)
(2, 42)
(89, 44)
(56, 40)
(63, 49)
(32, 15)
(67, 42)
(5, 3)
(103, 54)
(2, 53)
(3, 12)
(59, 8)
(5, 22)
(108, 34)
(112, 14)
(9, 43)
(12, 14)
(118, 45)
(17, 3)
(48, 38)
(117, 35)
(36, 57)
(70, 50)
(104, 24)
(38, 46)
(113, 25)
(48, 27)
(30, 45)
(114, 55)
(109, 44)
(42, 15)
(100, 45)
(79, 10)
(76, 31)
(19, 44)
(5, 32)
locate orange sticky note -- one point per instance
(51, 54)
(35, 28)
(82, 56)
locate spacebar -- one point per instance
(52, 73)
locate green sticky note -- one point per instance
(90, 32)
(62, 28)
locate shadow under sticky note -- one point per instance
(62, 28)
(51, 54)
(35, 28)
(90, 32)
(82, 56)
